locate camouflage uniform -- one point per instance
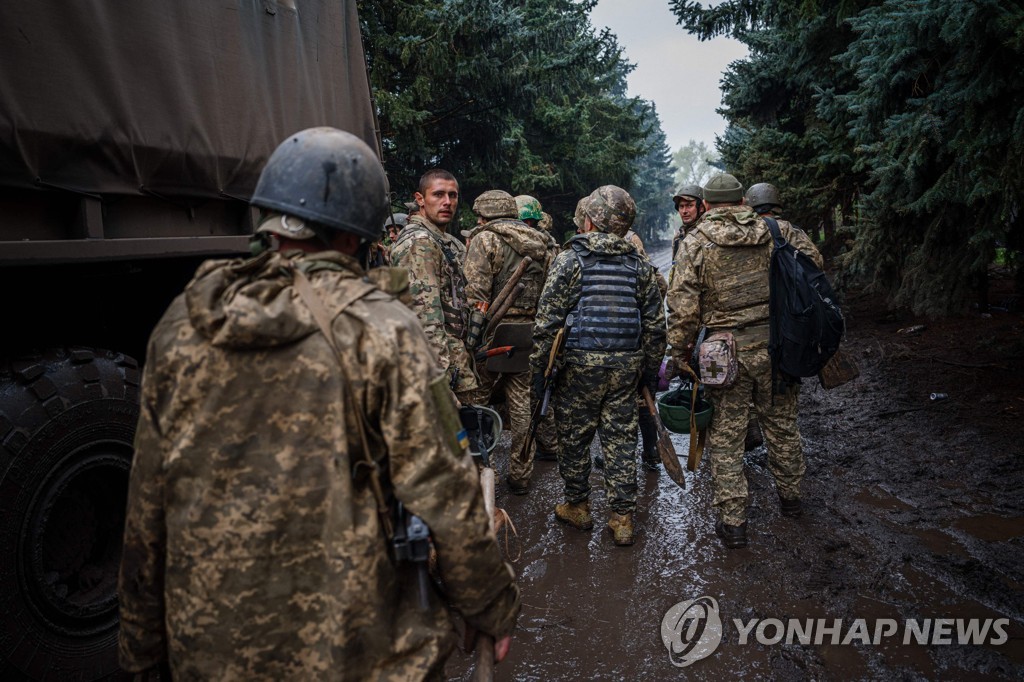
(253, 548)
(495, 250)
(721, 282)
(437, 285)
(598, 388)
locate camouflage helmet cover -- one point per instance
(546, 222)
(762, 194)
(578, 218)
(688, 190)
(723, 189)
(611, 209)
(495, 203)
(529, 208)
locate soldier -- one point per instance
(606, 297)
(764, 199)
(721, 282)
(437, 284)
(688, 201)
(498, 246)
(285, 400)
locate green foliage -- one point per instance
(521, 95)
(695, 163)
(905, 118)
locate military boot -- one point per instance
(733, 537)
(791, 507)
(621, 527)
(576, 514)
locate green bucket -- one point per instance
(674, 408)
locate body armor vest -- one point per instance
(453, 295)
(607, 317)
(737, 285)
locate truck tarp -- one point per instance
(181, 98)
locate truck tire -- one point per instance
(67, 420)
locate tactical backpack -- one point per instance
(805, 325)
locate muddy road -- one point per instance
(914, 512)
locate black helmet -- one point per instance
(329, 177)
(763, 195)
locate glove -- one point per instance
(671, 369)
(649, 380)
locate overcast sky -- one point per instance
(673, 69)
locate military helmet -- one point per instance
(674, 409)
(579, 216)
(611, 209)
(529, 208)
(495, 203)
(762, 194)
(398, 219)
(328, 177)
(723, 189)
(685, 190)
(546, 222)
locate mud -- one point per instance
(914, 509)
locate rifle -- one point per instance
(411, 543)
(550, 376)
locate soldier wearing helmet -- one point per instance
(605, 296)
(508, 233)
(721, 283)
(689, 203)
(437, 282)
(253, 544)
(763, 198)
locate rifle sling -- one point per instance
(323, 320)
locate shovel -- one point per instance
(666, 450)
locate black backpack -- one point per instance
(804, 321)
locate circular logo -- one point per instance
(691, 630)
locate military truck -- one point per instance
(131, 137)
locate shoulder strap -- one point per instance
(773, 225)
(323, 320)
(446, 250)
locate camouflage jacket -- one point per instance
(253, 548)
(562, 292)
(437, 285)
(720, 279)
(494, 252)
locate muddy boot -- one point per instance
(576, 514)
(792, 508)
(754, 438)
(733, 537)
(516, 486)
(621, 527)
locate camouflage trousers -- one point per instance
(587, 398)
(729, 427)
(517, 399)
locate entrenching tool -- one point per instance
(666, 451)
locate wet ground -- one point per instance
(914, 511)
